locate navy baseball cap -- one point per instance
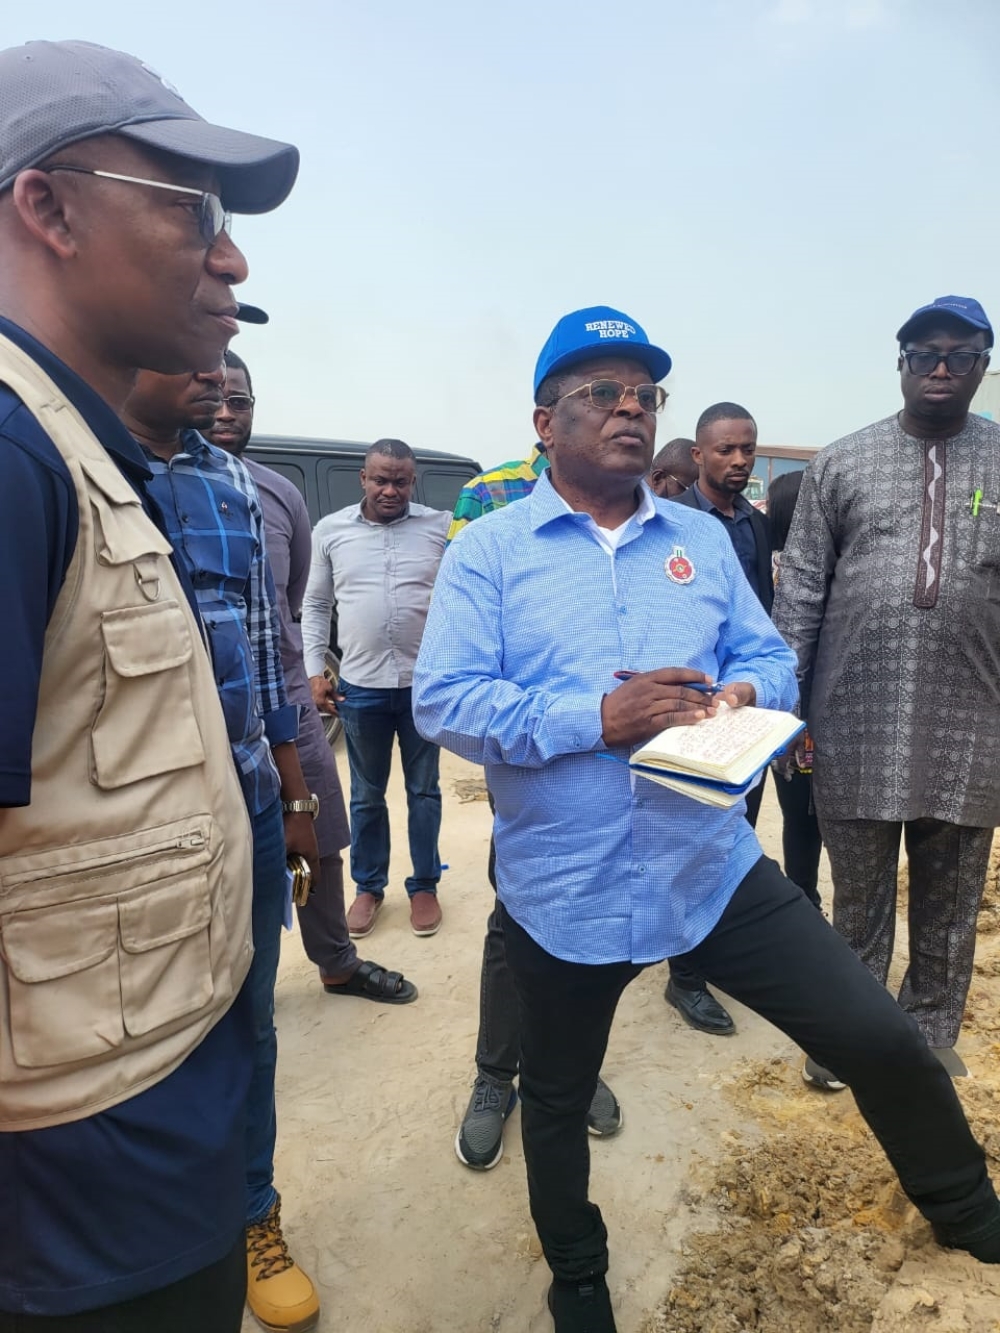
(53, 94)
(963, 308)
(252, 314)
(599, 331)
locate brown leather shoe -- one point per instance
(425, 913)
(361, 915)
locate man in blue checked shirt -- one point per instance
(214, 519)
(535, 609)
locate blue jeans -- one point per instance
(372, 718)
(268, 913)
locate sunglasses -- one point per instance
(213, 219)
(957, 363)
(239, 402)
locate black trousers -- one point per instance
(209, 1301)
(775, 953)
(683, 971)
(801, 842)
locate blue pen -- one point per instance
(700, 686)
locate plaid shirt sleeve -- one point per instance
(281, 719)
(473, 501)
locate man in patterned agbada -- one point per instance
(890, 595)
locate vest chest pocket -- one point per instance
(146, 723)
(86, 975)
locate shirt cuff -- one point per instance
(282, 725)
(574, 726)
(315, 663)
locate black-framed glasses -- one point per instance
(213, 219)
(957, 363)
(239, 402)
(608, 395)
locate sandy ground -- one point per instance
(735, 1197)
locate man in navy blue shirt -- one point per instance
(115, 255)
(723, 452)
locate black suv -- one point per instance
(326, 471)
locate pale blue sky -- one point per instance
(768, 186)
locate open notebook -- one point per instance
(717, 759)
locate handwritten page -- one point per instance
(731, 746)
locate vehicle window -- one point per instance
(779, 466)
(338, 484)
(290, 470)
(439, 488)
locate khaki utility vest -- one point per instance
(125, 886)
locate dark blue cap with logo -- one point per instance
(962, 308)
(594, 332)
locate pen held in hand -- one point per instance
(710, 687)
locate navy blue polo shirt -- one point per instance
(741, 533)
(135, 1198)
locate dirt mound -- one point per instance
(813, 1228)
(470, 789)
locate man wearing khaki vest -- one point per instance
(125, 1044)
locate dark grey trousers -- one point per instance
(947, 868)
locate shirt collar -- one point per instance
(547, 505)
(538, 461)
(359, 517)
(741, 504)
(102, 420)
(193, 445)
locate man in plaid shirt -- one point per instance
(213, 517)
(496, 488)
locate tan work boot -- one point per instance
(281, 1297)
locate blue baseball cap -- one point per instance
(599, 331)
(959, 307)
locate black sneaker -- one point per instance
(582, 1307)
(605, 1115)
(818, 1077)
(479, 1142)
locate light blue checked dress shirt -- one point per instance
(214, 519)
(530, 618)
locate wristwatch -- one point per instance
(309, 807)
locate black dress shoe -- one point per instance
(582, 1307)
(700, 1009)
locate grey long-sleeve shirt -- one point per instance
(379, 577)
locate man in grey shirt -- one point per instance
(375, 562)
(889, 595)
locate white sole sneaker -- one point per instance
(818, 1077)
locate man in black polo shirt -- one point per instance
(725, 445)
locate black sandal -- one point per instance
(373, 982)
